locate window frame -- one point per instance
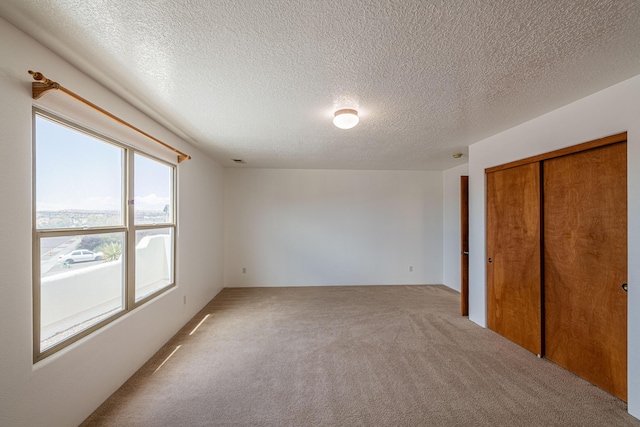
(128, 228)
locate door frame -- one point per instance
(620, 137)
(464, 245)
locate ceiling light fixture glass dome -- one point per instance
(345, 118)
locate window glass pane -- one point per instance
(154, 260)
(78, 178)
(153, 189)
(79, 288)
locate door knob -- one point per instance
(625, 287)
(490, 259)
(465, 252)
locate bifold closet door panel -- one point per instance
(513, 255)
(585, 263)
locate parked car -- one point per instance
(80, 255)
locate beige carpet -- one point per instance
(350, 356)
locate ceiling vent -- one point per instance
(239, 161)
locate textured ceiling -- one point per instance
(260, 80)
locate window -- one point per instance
(98, 252)
(153, 193)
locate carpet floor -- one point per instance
(350, 356)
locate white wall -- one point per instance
(451, 226)
(65, 388)
(608, 112)
(332, 227)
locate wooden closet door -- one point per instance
(513, 255)
(585, 263)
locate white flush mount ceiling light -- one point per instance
(346, 118)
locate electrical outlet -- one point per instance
(244, 270)
(184, 300)
(410, 268)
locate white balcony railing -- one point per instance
(75, 299)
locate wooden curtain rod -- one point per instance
(42, 85)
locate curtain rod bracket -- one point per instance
(43, 85)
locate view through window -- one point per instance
(153, 188)
(98, 254)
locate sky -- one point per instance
(78, 171)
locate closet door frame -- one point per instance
(613, 139)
